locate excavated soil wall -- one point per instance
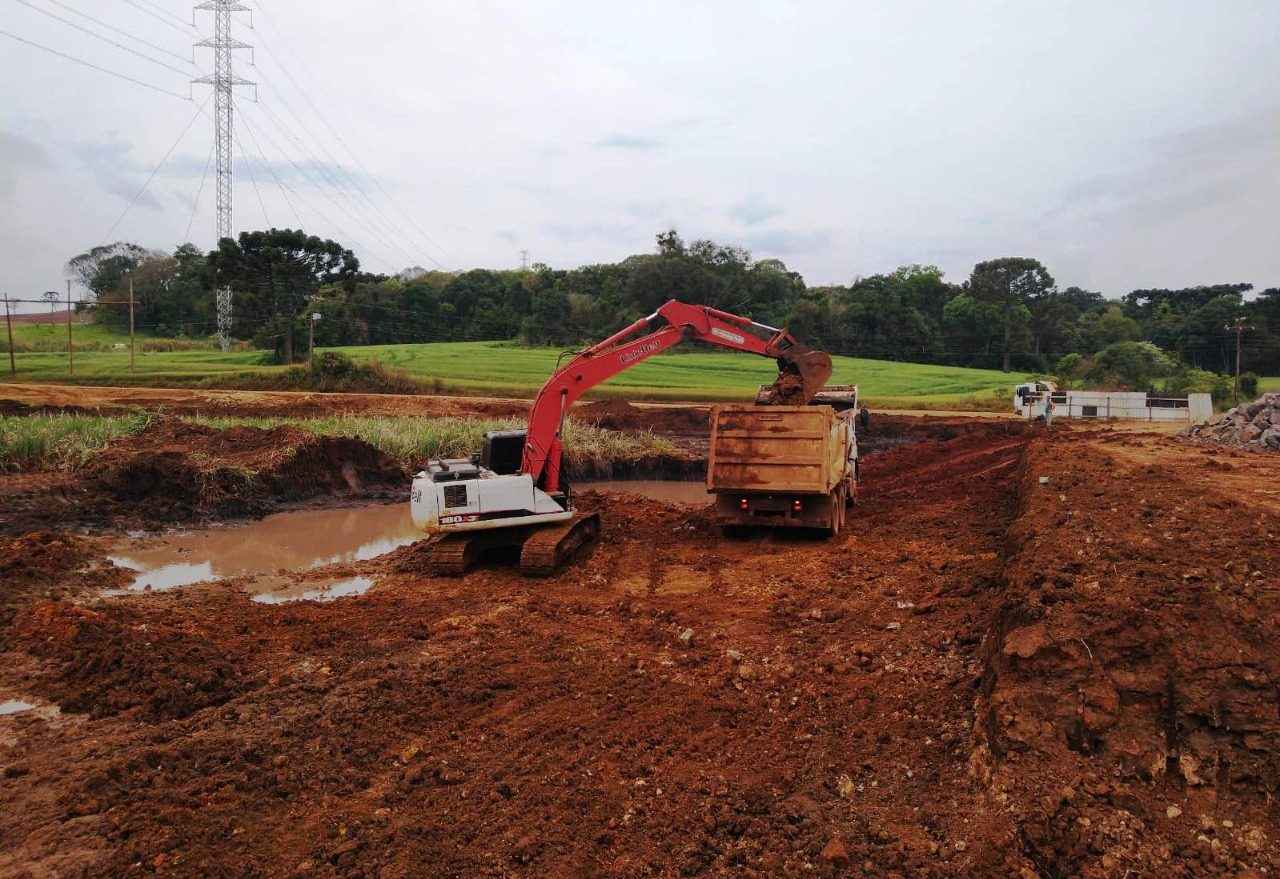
(1133, 655)
(176, 471)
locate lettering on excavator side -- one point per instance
(455, 520)
(640, 352)
(731, 337)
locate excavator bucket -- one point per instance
(801, 373)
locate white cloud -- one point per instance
(1124, 145)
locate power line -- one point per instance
(167, 154)
(97, 36)
(284, 186)
(159, 18)
(370, 227)
(337, 136)
(122, 33)
(109, 72)
(199, 192)
(272, 172)
(322, 190)
(163, 11)
(336, 168)
(248, 167)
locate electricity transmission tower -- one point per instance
(224, 81)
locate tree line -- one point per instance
(1008, 314)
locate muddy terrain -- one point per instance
(1032, 654)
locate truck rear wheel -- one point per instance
(837, 514)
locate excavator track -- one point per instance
(550, 546)
(452, 555)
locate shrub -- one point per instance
(1249, 385)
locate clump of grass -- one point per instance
(413, 440)
(32, 441)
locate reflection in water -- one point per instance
(165, 576)
(13, 706)
(285, 541)
(671, 491)
(309, 592)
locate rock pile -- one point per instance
(1253, 425)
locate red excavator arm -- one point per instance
(542, 450)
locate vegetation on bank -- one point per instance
(32, 441)
(38, 441)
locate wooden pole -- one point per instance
(71, 359)
(8, 323)
(1235, 397)
(131, 340)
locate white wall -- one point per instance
(1126, 405)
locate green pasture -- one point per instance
(504, 369)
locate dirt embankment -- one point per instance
(175, 471)
(1130, 690)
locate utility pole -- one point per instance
(224, 81)
(524, 260)
(8, 323)
(1239, 327)
(311, 335)
(71, 358)
(131, 345)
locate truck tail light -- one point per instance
(742, 504)
(795, 506)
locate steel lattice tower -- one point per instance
(224, 81)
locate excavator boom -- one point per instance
(802, 371)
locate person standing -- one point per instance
(864, 418)
(1048, 410)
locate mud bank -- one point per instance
(176, 472)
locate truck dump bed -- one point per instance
(789, 449)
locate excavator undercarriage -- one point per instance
(543, 549)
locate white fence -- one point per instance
(1128, 405)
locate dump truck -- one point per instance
(782, 466)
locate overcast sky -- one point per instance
(1124, 143)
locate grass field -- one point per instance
(498, 368)
(1269, 383)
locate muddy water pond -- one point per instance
(295, 541)
(300, 541)
(670, 491)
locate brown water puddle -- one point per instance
(670, 491)
(296, 541)
(315, 590)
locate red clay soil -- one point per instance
(924, 696)
(176, 471)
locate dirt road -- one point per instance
(987, 675)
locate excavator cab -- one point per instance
(503, 450)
